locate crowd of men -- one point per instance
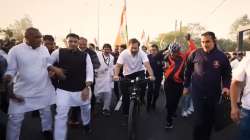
(37, 76)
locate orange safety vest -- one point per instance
(170, 69)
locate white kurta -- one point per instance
(29, 67)
(104, 75)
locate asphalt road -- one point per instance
(151, 127)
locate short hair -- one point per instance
(92, 45)
(83, 38)
(143, 46)
(29, 30)
(211, 34)
(73, 35)
(133, 41)
(107, 46)
(124, 46)
(48, 37)
(154, 46)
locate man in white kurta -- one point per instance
(73, 89)
(27, 62)
(104, 78)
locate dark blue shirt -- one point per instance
(208, 72)
(156, 64)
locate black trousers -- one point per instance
(125, 90)
(203, 117)
(116, 90)
(153, 92)
(173, 92)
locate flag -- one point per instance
(148, 42)
(95, 41)
(122, 36)
(143, 36)
(145, 41)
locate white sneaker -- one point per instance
(184, 114)
(189, 112)
(191, 108)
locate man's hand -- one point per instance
(235, 114)
(16, 98)
(88, 83)
(225, 91)
(52, 73)
(13, 97)
(151, 78)
(59, 72)
(185, 91)
(85, 94)
(7, 78)
(116, 78)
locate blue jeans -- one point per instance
(186, 102)
(245, 124)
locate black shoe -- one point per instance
(124, 122)
(169, 125)
(48, 135)
(74, 124)
(142, 101)
(153, 106)
(106, 113)
(175, 115)
(87, 129)
(148, 108)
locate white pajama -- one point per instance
(104, 80)
(106, 97)
(64, 101)
(15, 122)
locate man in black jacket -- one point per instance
(209, 71)
(156, 62)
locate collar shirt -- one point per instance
(242, 74)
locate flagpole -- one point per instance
(98, 23)
(125, 3)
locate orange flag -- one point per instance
(122, 36)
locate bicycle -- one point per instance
(134, 106)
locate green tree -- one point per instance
(227, 44)
(19, 27)
(8, 34)
(195, 29)
(242, 21)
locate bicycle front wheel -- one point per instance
(132, 118)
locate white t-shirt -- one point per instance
(242, 73)
(132, 64)
(235, 63)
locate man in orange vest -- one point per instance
(173, 85)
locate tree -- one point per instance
(8, 34)
(242, 21)
(19, 27)
(227, 45)
(195, 29)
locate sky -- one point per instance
(59, 17)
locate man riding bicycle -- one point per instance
(134, 62)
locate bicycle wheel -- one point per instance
(132, 118)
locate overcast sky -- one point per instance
(57, 17)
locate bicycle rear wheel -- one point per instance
(132, 118)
